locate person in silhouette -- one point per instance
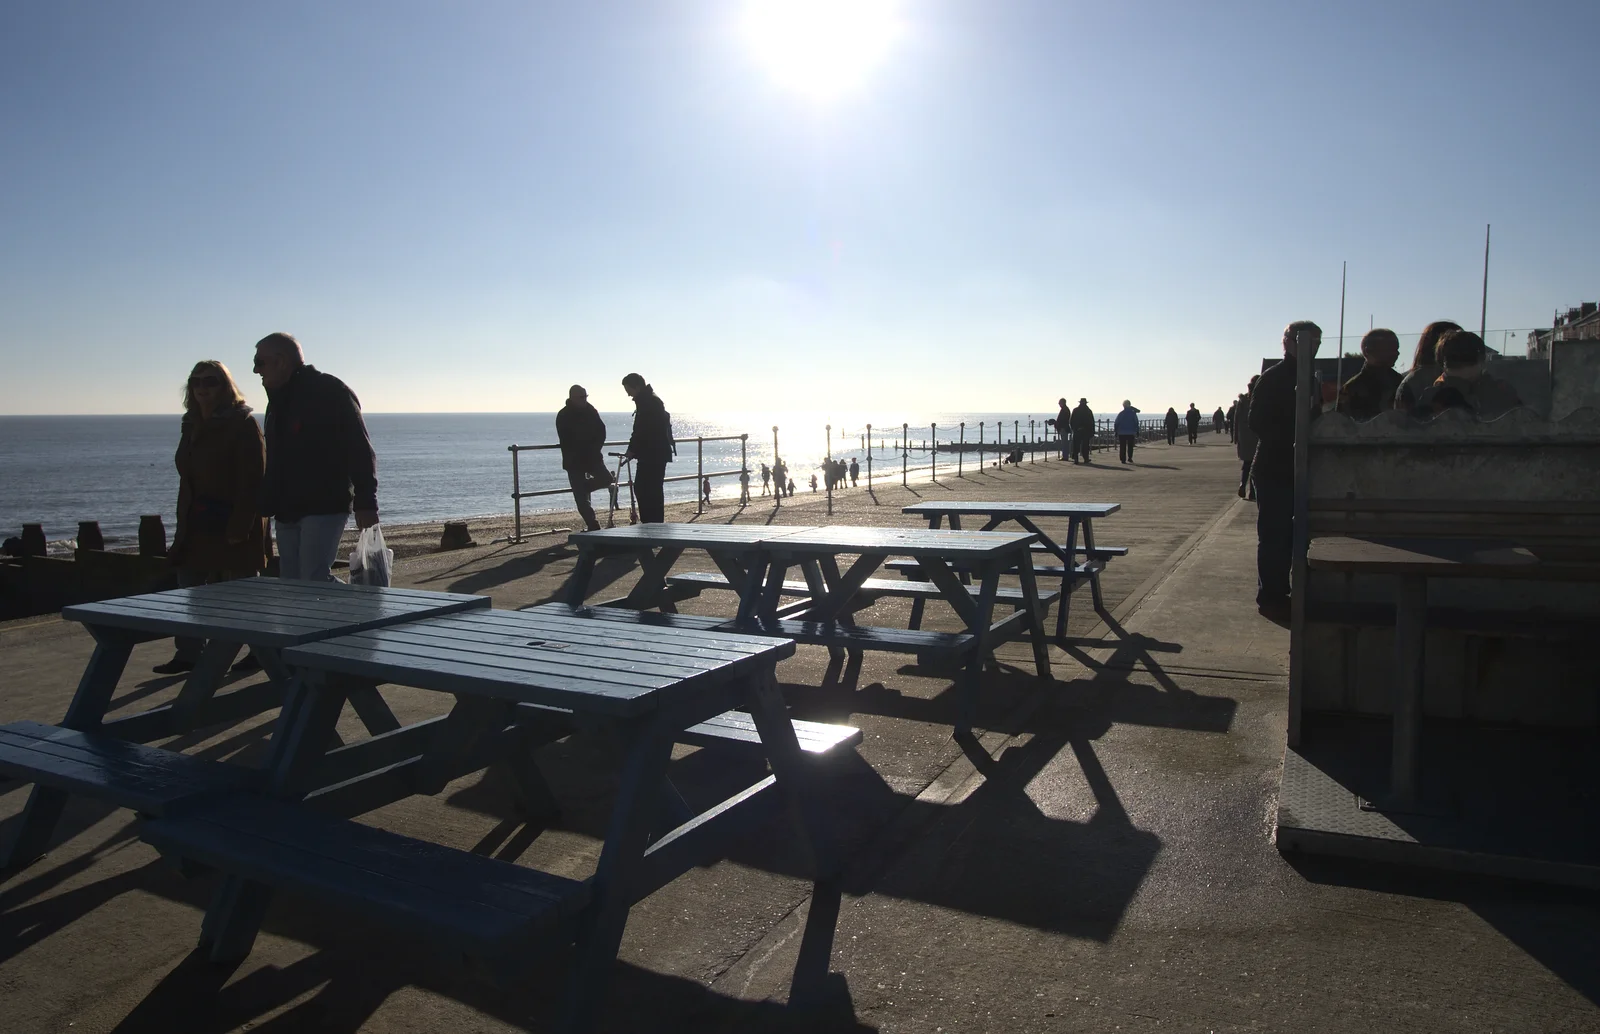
(1192, 419)
(744, 488)
(1372, 390)
(855, 472)
(1081, 421)
(1245, 440)
(1425, 365)
(650, 448)
(1272, 418)
(1464, 384)
(221, 457)
(320, 464)
(780, 472)
(1127, 428)
(1217, 420)
(766, 476)
(1172, 422)
(1063, 423)
(582, 435)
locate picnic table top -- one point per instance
(268, 611)
(547, 655)
(1441, 558)
(688, 535)
(1019, 507)
(913, 542)
(834, 538)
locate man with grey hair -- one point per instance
(1272, 418)
(320, 461)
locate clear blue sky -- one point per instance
(469, 207)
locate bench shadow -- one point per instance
(524, 565)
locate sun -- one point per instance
(821, 49)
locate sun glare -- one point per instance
(820, 48)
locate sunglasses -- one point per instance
(208, 381)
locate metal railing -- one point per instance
(699, 477)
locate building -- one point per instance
(1579, 324)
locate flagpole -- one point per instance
(1483, 313)
(1338, 376)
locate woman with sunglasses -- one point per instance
(221, 534)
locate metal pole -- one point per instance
(962, 449)
(905, 451)
(1016, 432)
(777, 497)
(744, 470)
(516, 496)
(700, 474)
(1338, 376)
(933, 452)
(1031, 449)
(1483, 313)
(1297, 558)
(869, 458)
(828, 470)
(980, 444)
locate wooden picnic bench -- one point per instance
(1071, 570)
(754, 561)
(265, 615)
(649, 685)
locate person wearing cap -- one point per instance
(582, 435)
(1127, 428)
(650, 446)
(1082, 422)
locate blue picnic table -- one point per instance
(1080, 520)
(754, 561)
(647, 685)
(265, 615)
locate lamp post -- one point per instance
(869, 459)
(777, 495)
(961, 448)
(933, 452)
(828, 468)
(905, 451)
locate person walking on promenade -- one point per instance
(791, 488)
(320, 462)
(744, 488)
(221, 534)
(1063, 422)
(814, 481)
(1127, 428)
(1172, 426)
(705, 490)
(1372, 390)
(780, 471)
(1192, 418)
(1426, 365)
(855, 472)
(1081, 421)
(1245, 440)
(766, 476)
(1229, 424)
(650, 447)
(582, 435)
(1272, 418)
(1217, 420)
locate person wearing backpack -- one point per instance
(650, 446)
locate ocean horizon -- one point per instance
(59, 470)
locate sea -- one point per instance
(59, 470)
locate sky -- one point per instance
(922, 205)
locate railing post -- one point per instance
(933, 452)
(869, 459)
(980, 444)
(1032, 442)
(700, 473)
(777, 495)
(516, 496)
(961, 448)
(827, 470)
(905, 453)
(744, 469)
(1016, 432)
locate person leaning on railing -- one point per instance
(582, 435)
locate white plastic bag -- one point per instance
(370, 562)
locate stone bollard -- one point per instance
(89, 536)
(33, 540)
(456, 536)
(152, 536)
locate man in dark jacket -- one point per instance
(1063, 424)
(1192, 418)
(1271, 414)
(1082, 421)
(651, 446)
(319, 460)
(1371, 391)
(582, 434)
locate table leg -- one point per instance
(577, 588)
(650, 590)
(633, 818)
(819, 594)
(1410, 631)
(816, 830)
(215, 658)
(88, 707)
(1069, 578)
(311, 708)
(1094, 576)
(1030, 600)
(978, 615)
(371, 708)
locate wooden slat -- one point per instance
(1008, 508)
(559, 620)
(739, 729)
(949, 545)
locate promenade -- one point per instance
(1104, 862)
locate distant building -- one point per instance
(1579, 324)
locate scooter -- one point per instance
(633, 511)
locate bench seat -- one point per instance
(910, 568)
(148, 780)
(736, 729)
(870, 589)
(479, 907)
